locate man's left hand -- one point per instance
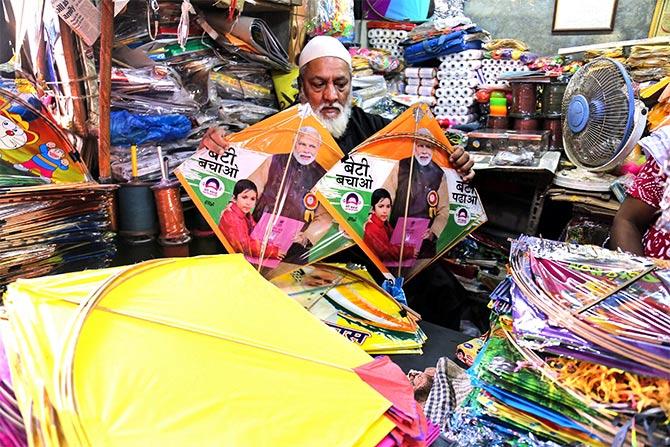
(462, 163)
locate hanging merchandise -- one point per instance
(394, 10)
(248, 37)
(398, 197)
(32, 146)
(239, 353)
(347, 299)
(331, 18)
(257, 196)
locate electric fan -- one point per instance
(602, 120)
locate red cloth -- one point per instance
(237, 227)
(648, 187)
(377, 236)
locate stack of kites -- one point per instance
(53, 229)
(579, 354)
(347, 299)
(52, 219)
(216, 355)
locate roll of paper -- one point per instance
(440, 110)
(463, 101)
(430, 82)
(442, 102)
(442, 92)
(413, 81)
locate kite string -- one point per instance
(407, 195)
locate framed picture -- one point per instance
(580, 16)
(660, 22)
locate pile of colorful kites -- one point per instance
(214, 355)
(580, 353)
(52, 219)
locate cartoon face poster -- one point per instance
(31, 144)
(258, 196)
(398, 196)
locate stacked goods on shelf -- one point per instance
(422, 82)
(458, 80)
(579, 352)
(491, 69)
(388, 36)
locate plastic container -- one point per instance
(492, 141)
(554, 126)
(528, 123)
(524, 98)
(497, 122)
(552, 99)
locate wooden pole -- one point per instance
(105, 75)
(69, 52)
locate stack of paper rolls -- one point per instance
(421, 81)
(457, 84)
(387, 39)
(492, 68)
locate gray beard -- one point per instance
(336, 126)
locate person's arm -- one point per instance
(630, 223)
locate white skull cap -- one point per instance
(323, 46)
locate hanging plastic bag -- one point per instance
(331, 18)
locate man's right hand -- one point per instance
(214, 140)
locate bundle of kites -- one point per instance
(52, 217)
(579, 354)
(216, 355)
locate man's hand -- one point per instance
(300, 239)
(214, 140)
(462, 163)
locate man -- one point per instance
(325, 83)
(428, 185)
(284, 182)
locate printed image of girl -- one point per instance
(237, 223)
(378, 230)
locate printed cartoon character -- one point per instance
(50, 158)
(12, 135)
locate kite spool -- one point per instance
(137, 215)
(170, 213)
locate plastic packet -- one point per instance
(155, 90)
(331, 18)
(242, 83)
(509, 158)
(241, 114)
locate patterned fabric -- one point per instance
(649, 187)
(450, 387)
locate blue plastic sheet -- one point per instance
(127, 128)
